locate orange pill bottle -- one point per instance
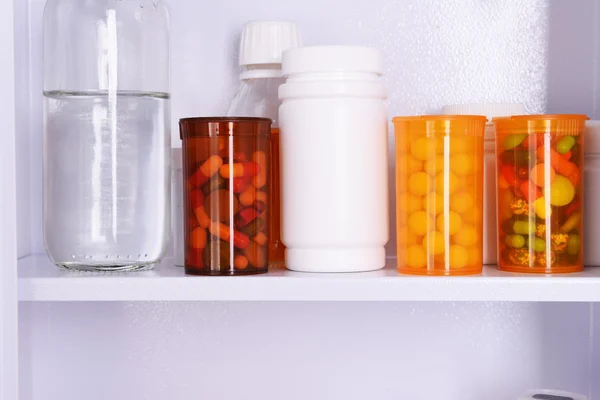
(226, 172)
(540, 193)
(439, 192)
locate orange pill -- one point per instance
(198, 238)
(262, 196)
(240, 262)
(238, 170)
(196, 203)
(220, 204)
(256, 255)
(223, 232)
(260, 180)
(248, 196)
(206, 170)
(540, 172)
(260, 238)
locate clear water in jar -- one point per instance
(106, 179)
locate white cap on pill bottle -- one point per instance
(263, 42)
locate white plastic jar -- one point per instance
(491, 111)
(333, 123)
(591, 196)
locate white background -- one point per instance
(539, 52)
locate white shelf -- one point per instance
(39, 280)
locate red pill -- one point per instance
(206, 171)
(246, 216)
(238, 185)
(193, 258)
(530, 191)
(196, 203)
(509, 175)
(223, 232)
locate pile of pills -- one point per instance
(539, 202)
(227, 199)
(439, 194)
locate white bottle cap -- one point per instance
(332, 58)
(490, 110)
(263, 42)
(592, 137)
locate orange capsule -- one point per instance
(198, 238)
(261, 196)
(260, 180)
(206, 171)
(223, 232)
(239, 184)
(558, 162)
(260, 238)
(238, 170)
(196, 203)
(248, 196)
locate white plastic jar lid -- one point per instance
(490, 110)
(331, 59)
(592, 137)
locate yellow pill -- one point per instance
(473, 217)
(464, 182)
(466, 236)
(434, 243)
(419, 223)
(435, 165)
(407, 238)
(433, 203)
(459, 256)
(447, 181)
(416, 257)
(419, 184)
(461, 145)
(454, 223)
(540, 208)
(475, 256)
(413, 203)
(462, 202)
(414, 165)
(461, 164)
(421, 148)
(439, 144)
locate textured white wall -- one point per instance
(540, 52)
(437, 52)
(272, 351)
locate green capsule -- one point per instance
(215, 183)
(515, 241)
(573, 244)
(512, 141)
(253, 227)
(524, 227)
(565, 144)
(539, 245)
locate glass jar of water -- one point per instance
(106, 133)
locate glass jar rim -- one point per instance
(224, 126)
